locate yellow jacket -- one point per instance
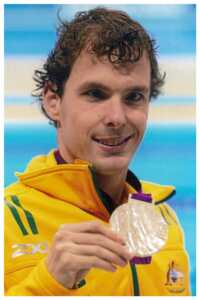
(48, 195)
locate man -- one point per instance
(95, 87)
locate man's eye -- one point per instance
(96, 94)
(134, 98)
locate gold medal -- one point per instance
(140, 224)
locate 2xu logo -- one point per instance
(29, 249)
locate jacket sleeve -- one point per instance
(28, 276)
(39, 282)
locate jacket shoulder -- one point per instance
(160, 193)
(15, 188)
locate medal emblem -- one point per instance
(140, 224)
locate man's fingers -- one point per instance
(90, 239)
(98, 251)
(92, 227)
(88, 262)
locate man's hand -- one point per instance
(79, 247)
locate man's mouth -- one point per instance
(112, 141)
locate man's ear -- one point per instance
(51, 104)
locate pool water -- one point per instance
(166, 156)
(37, 27)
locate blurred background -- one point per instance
(167, 154)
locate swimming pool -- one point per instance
(37, 27)
(166, 156)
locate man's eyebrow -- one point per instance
(93, 84)
(138, 88)
(99, 85)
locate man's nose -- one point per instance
(115, 113)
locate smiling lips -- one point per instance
(112, 141)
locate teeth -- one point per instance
(110, 144)
(112, 141)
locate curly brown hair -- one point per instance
(104, 32)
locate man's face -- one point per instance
(103, 112)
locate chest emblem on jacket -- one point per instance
(175, 279)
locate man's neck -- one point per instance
(112, 186)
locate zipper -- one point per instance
(110, 209)
(135, 280)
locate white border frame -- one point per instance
(2, 2)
